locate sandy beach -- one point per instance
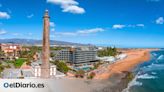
(134, 57)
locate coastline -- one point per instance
(134, 57)
(115, 78)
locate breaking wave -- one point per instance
(152, 67)
(154, 73)
(154, 54)
(147, 71)
(160, 57)
(134, 82)
(146, 76)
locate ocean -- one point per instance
(149, 76)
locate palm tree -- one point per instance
(1, 68)
(2, 54)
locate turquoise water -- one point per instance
(84, 68)
(149, 76)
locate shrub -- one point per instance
(91, 75)
(80, 73)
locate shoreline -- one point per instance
(115, 81)
(134, 57)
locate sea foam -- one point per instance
(154, 73)
(154, 54)
(160, 57)
(134, 82)
(152, 67)
(146, 76)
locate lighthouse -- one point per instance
(45, 67)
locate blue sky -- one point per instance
(123, 23)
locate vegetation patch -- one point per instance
(1, 68)
(18, 63)
(91, 75)
(129, 76)
(80, 74)
(61, 66)
(109, 51)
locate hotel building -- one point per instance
(76, 55)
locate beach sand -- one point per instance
(134, 57)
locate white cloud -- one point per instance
(52, 29)
(81, 32)
(130, 26)
(74, 9)
(89, 31)
(118, 26)
(2, 32)
(52, 36)
(63, 2)
(52, 24)
(70, 6)
(140, 25)
(4, 15)
(160, 20)
(30, 16)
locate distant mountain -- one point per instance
(37, 42)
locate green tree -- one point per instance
(8, 66)
(97, 65)
(29, 54)
(56, 48)
(24, 54)
(2, 54)
(61, 66)
(108, 52)
(1, 68)
(52, 54)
